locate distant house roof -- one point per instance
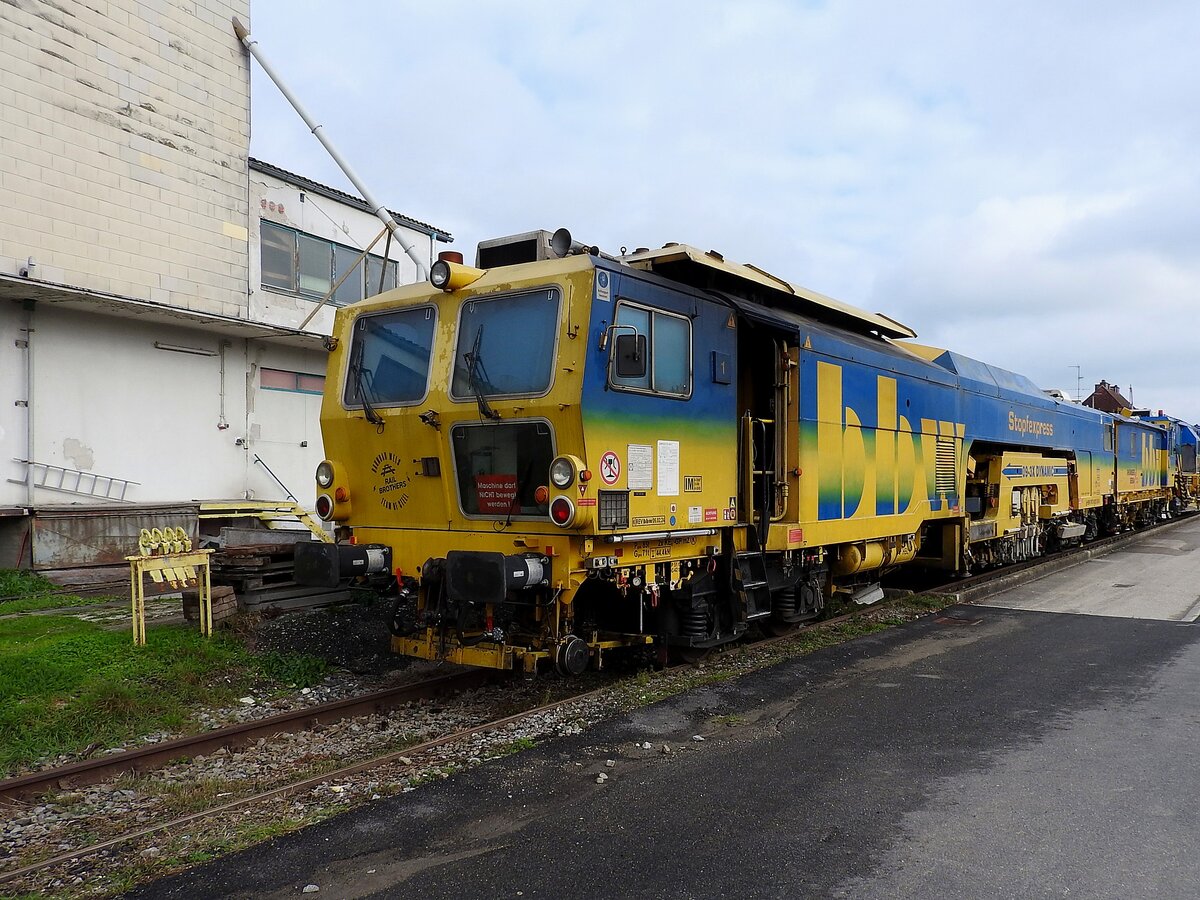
(1108, 398)
(349, 199)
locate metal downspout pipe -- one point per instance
(29, 442)
(318, 131)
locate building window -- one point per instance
(298, 263)
(351, 288)
(278, 257)
(668, 346)
(296, 382)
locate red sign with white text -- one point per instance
(497, 493)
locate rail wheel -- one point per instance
(572, 656)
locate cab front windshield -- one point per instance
(506, 345)
(389, 358)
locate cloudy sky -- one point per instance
(1019, 181)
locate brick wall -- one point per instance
(124, 133)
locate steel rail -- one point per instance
(396, 756)
(152, 756)
(391, 757)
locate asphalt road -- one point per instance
(1030, 754)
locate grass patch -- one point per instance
(293, 669)
(514, 746)
(66, 684)
(28, 592)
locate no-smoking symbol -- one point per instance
(610, 468)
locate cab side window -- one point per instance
(669, 348)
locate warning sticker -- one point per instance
(497, 493)
(603, 286)
(641, 467)
(610, 467)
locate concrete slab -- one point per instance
(1157, 578)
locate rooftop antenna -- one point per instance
(1078, 383)
(378, 208)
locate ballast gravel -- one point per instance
(77, 818)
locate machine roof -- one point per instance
(973, 368)
(710, 269)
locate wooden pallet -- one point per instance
(263, 574)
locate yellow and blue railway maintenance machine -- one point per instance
(556, 453)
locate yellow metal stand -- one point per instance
(168, 558)
(167, 568)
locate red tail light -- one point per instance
(562, 511)
(325, 506)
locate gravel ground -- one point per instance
(80, 817)
(351, 636)
(76, 818)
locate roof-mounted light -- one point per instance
(450, 274)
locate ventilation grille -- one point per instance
(613, 510)
(946, 481)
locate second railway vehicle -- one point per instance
(556, 453)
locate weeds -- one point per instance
(295, 669)
(66, 684)
(28, 592)
(513, 746)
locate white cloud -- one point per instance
(1014, 180)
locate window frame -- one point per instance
(296, 376)
(469, 423)
(295, 290)
(501, 295)
(345, 377)
(652, 391)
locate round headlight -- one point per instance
(439, 274)
(562, 473)
(325, 474)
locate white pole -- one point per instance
(318, 130)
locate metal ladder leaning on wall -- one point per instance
(73, 481)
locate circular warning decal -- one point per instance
(610, 467)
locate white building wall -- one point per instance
(12, 393)
(283, 426)
(124, 138)
(124, 134)
(108, 401)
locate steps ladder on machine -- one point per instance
(752, 583)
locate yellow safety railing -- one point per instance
(275, 515)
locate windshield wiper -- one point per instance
(477, 376)
(360, 380)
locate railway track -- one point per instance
(401, 758)
(150, 757)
